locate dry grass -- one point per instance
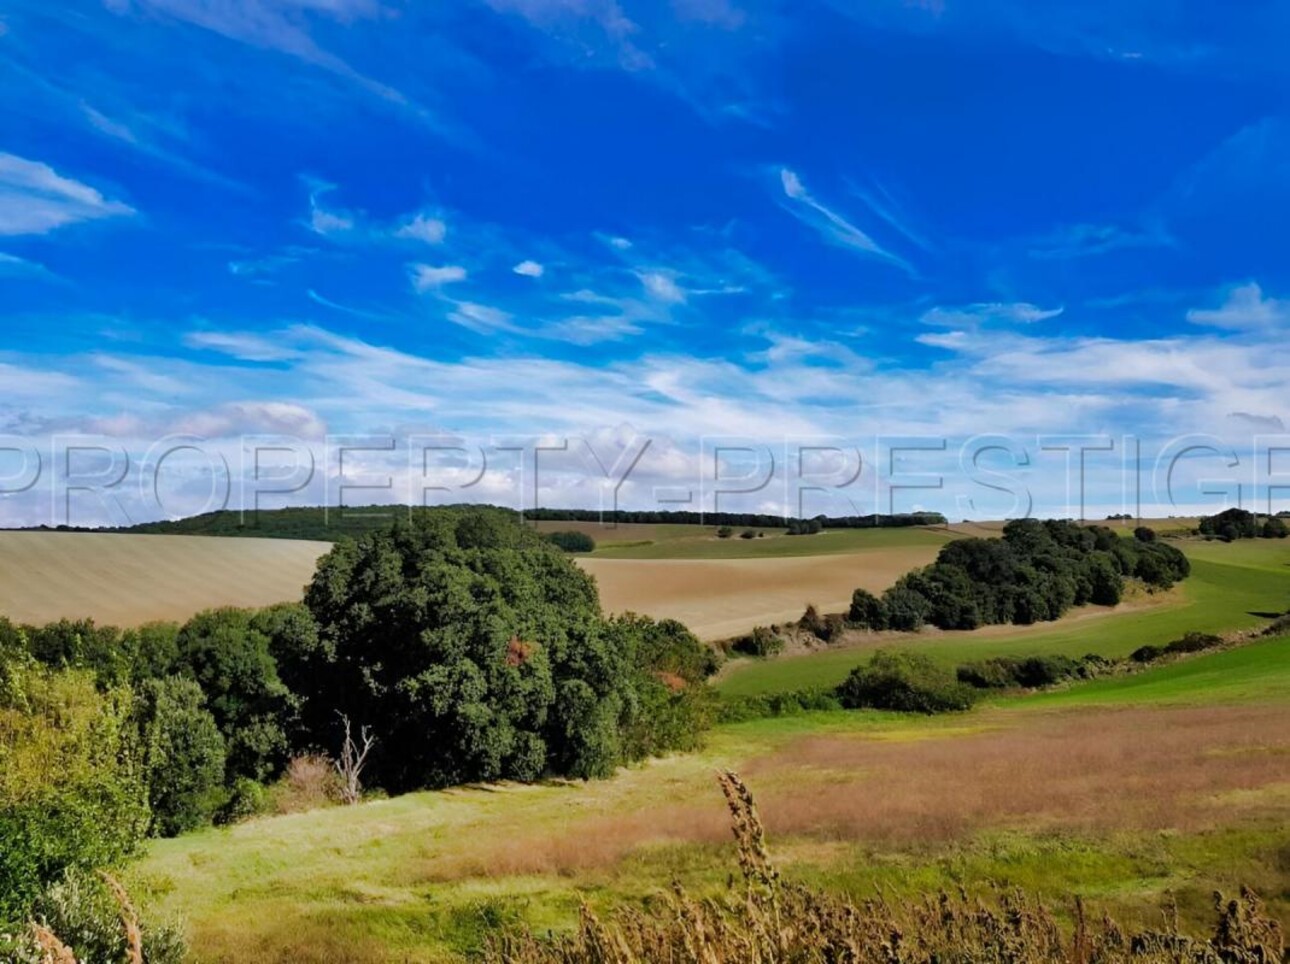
(1135, 769)
(769, 922)
(127, 580)
(1131, 769)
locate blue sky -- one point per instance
(672, 220)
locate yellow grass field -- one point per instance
(125, 580)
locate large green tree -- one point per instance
(476, 650)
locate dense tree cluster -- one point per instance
(471, 646)
(571, 541)
(1036, 572)
(1234, 524)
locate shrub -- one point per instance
(1144, 534)
(572, 541)
(182, 754)
(909, 682)
(95, 919)
(69, 796)
(812, 622)
(761, 642)
(1146, 654)
(834, 626)
(1029, 672)
(1194, 643)
(748, 534)
(725, 532)
(907, 609)
(867, 611)
(246, 799)
(1275, 528)
(309, 782)
(792, 703)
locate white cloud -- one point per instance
(662, 287)
(830, 225)
(529, 269)
(425, 228)
(247, 418)
(35, 199)
(426, 277)
(484, 319)
(1246, 309)
(972, 316)
(950, 340)
(281, 25)
(245, 347)
(622, 244)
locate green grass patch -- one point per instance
(1233, 586)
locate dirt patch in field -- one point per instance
(126, 580)
(719, 598)
(1130, 769)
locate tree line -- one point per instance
(466, 645)
(328, 524)
(1034, 573)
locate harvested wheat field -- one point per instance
(126, 580)
(718, 598)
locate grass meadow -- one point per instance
(1170, 783)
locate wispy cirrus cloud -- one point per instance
(831, 225)
(283, 26)
(36, 199)
(12, 266)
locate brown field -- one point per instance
(719, 598)
(1131, 769)
(125, 580)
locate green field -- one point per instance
(701, 542)
(1233, 586)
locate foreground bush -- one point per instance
(904, 681)
(70, 797)
(767, 921)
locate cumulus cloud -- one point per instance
(36, 199)
(1246, 309)
(529, 269)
